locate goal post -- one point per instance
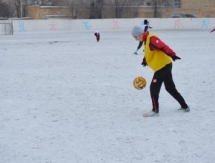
(6, 28)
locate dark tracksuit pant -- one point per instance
(160, 76)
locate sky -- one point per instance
(65, 98)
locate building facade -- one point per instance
(147, 8)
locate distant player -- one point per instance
(212, 30)
(145, 28)
(97, 34)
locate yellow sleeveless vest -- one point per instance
(156, 59)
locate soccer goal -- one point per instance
(6, 28)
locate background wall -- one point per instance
(20, 26)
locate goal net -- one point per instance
(6, 28)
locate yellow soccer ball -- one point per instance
(139, 83)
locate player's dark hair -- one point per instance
(145, 22)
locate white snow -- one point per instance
(64, 98)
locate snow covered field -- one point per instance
(64, 98)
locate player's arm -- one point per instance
(156, 43)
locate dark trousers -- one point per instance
(160, 76)
(97, 38)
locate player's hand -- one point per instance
(175, 58)
(144, 62)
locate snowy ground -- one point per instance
(64, 98)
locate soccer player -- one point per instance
(145, 27)
(158, 56)
(97, 34)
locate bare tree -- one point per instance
(74, 7)
(17, 7)
(24, 4)
(119, 5)
(5, 10)
(96, 8)
(155, 8)
(156, 4)
(126, 8)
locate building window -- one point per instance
(177, 3)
